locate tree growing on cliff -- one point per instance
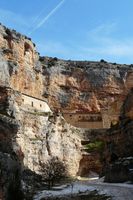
(53, 171)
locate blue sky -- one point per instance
(74, 29)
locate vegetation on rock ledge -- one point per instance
(95, 146)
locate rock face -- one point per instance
(10, 180)
(82, 88)
(10, 167)
(20, 68)
(120, 170)
(119, 145)
(29, 131)
(44, 99)
(40, 139)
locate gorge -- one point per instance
(78, 111)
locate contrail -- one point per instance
(45, 19)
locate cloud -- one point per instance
(103, 29)
(113, 50)
(53, 48)
(118, 50)
(100, 43)
(46, 18)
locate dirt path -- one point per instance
(117, 191)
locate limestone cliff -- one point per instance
(20, 66)
(30, 132)
(86, 87)
(43, 98)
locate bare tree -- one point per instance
(53, 171)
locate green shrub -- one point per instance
(95, 146)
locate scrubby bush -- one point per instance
(53, 171)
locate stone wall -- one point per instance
(35, 103)
(91, 121)
(81, 120)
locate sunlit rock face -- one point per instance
(69, 86)
(20, 68)
(41, 133)
(51, 101)
(46, 135)
(86, 88)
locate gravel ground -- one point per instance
(117, 191)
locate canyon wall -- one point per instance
(86, 87)
(28, 135)
(98, 92)
(119, 145)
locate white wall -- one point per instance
(35, 103)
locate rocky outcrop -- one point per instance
(28, 137)
(120, 170)
(88, 86)
(30, 134)
(46, 136)
(36, 93)
(10, 177)
(10, 167)
(119, 145)
(20, 66)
